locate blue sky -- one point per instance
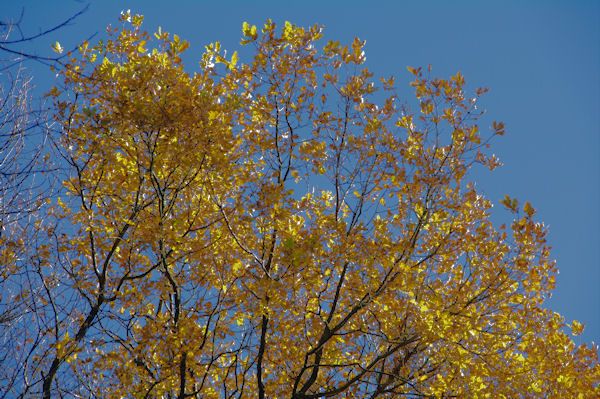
(540, 60)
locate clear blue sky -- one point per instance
(540, 59)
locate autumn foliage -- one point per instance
(284, 228)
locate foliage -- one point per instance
(286, 228)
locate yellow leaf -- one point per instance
(234, 60)
(57, 48)
(237, 266)
(414, 71)
(528, 209)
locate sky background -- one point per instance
(540, 60)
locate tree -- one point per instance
(26, 184)
(286, 229)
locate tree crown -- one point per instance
(288, 227)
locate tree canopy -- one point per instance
(283, 228)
